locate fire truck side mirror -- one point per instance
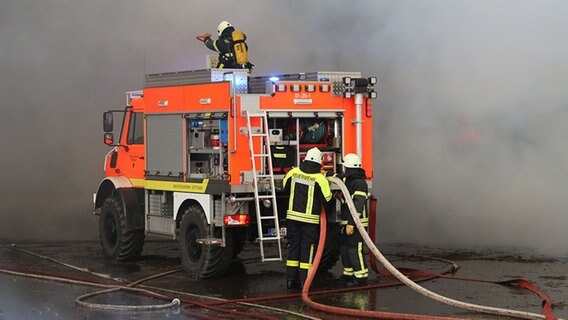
(107, 122)
(109, 138)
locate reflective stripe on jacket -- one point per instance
(358, 190)
(308, 191)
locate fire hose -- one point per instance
(400, 276)
(145, 290)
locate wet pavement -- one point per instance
(29, 298)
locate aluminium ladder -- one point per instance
(265, 174)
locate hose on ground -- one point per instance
(86, 270)
(347, 311)
(172, 304)
(110, 288)
(150, 290)
(411, 284)
(55, 278)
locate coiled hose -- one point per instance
(312, 132)
(401, 277)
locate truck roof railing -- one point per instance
(197, 77)
(243, 83)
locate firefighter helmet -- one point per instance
(352, 160)
(222, 26)
(314, 155)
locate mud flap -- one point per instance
(132, 200)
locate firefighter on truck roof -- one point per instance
(309, 190)
(231, 46)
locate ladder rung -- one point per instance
(265, 196)
(264, 175)
(269, 238)
(256, 115)
(271, 259)
(267, 217)
(259, 135)
(260, 155)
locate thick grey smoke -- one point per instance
(497, 66)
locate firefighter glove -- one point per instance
(349, 230)
(203, 37)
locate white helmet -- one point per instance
(222, 26)
(352, 160)
(314, 155)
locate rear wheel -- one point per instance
(198, 260)
(118, 243)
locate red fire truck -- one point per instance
(199, 156)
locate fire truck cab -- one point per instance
(199, 156)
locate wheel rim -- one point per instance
(193, 248)
(111, 232)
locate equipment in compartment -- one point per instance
(200, 166)
(288, 135)
(197, 139)
(275, 135)
(214, 139)
(283, 158)
(328, 162)
(207, 144)
(313, 131)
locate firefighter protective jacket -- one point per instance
(308, 190)
(354, 179)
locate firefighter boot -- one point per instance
(357, 282)
(292, 282)
(292, 285)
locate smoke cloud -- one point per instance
(495, 68)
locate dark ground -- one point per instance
(26, 298)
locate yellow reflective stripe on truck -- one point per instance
(196, 187)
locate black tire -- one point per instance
(118, 243)
(202, 261)
(331, 251)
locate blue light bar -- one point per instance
(273, 79)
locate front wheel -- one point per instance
(118, 243)
(198, 260)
